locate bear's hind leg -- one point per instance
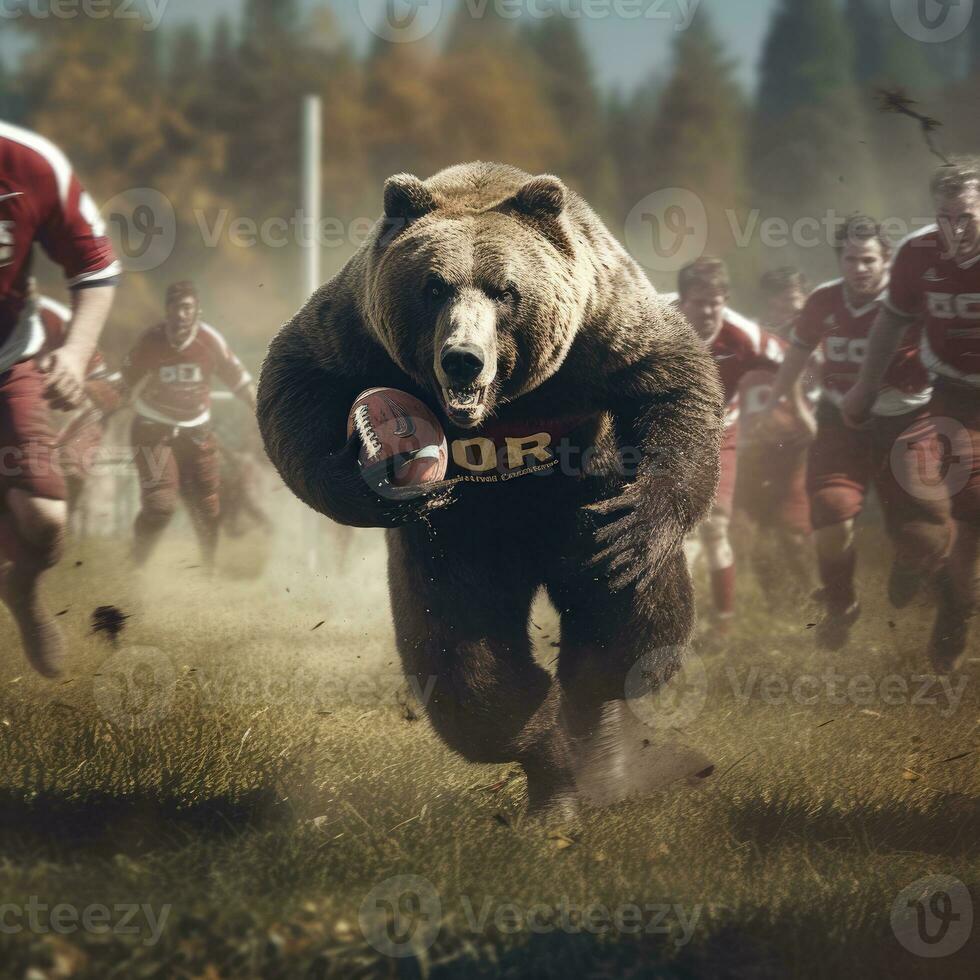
(468, 646)
(603, 635)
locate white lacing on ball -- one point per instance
(369, 438)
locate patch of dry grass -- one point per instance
(246, 759)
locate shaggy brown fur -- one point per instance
(578, 331)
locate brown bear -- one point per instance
(502, 301)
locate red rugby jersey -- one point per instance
(741, 347)
(927, 282)
(840, 330)
(178, 380)
(754, 394)
(42, 201)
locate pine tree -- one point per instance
(265, 22)
(810, 133)
(568, 85)
(697, 136)
(883, 54)
(477, 25)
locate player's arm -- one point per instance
(234, 374)
(668, 414)
(883, 343)
(135, 367)
(789, 376)
(66, 367)
(74, 235)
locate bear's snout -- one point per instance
(462, 363)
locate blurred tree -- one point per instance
(974, 47)
(810, 147)
(883, 53)
(698, 133)
(886, 57)
(630, 122)
(268, 21)
(568, 85)
(478, 25)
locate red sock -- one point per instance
(837, 578)
(723, 591)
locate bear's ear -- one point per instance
(542, 197)
(407, 199)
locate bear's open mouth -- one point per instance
(464, 406)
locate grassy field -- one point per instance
(242, 775)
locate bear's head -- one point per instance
(477, 282)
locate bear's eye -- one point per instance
(435, 288)
(508, 296)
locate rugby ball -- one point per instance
(402, 442)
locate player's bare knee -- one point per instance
(834, 540)
(42, 524)
(716, 541)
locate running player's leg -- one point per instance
(914, 501)
(838, 475)
(33, 513)
(154, 456)
(959, 594)
(200, 485)
(715, 540)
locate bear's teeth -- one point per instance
(464, 399)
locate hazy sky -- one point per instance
(624, 48)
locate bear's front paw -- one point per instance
(637, 539)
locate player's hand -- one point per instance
(65, 379)
(857, 405)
